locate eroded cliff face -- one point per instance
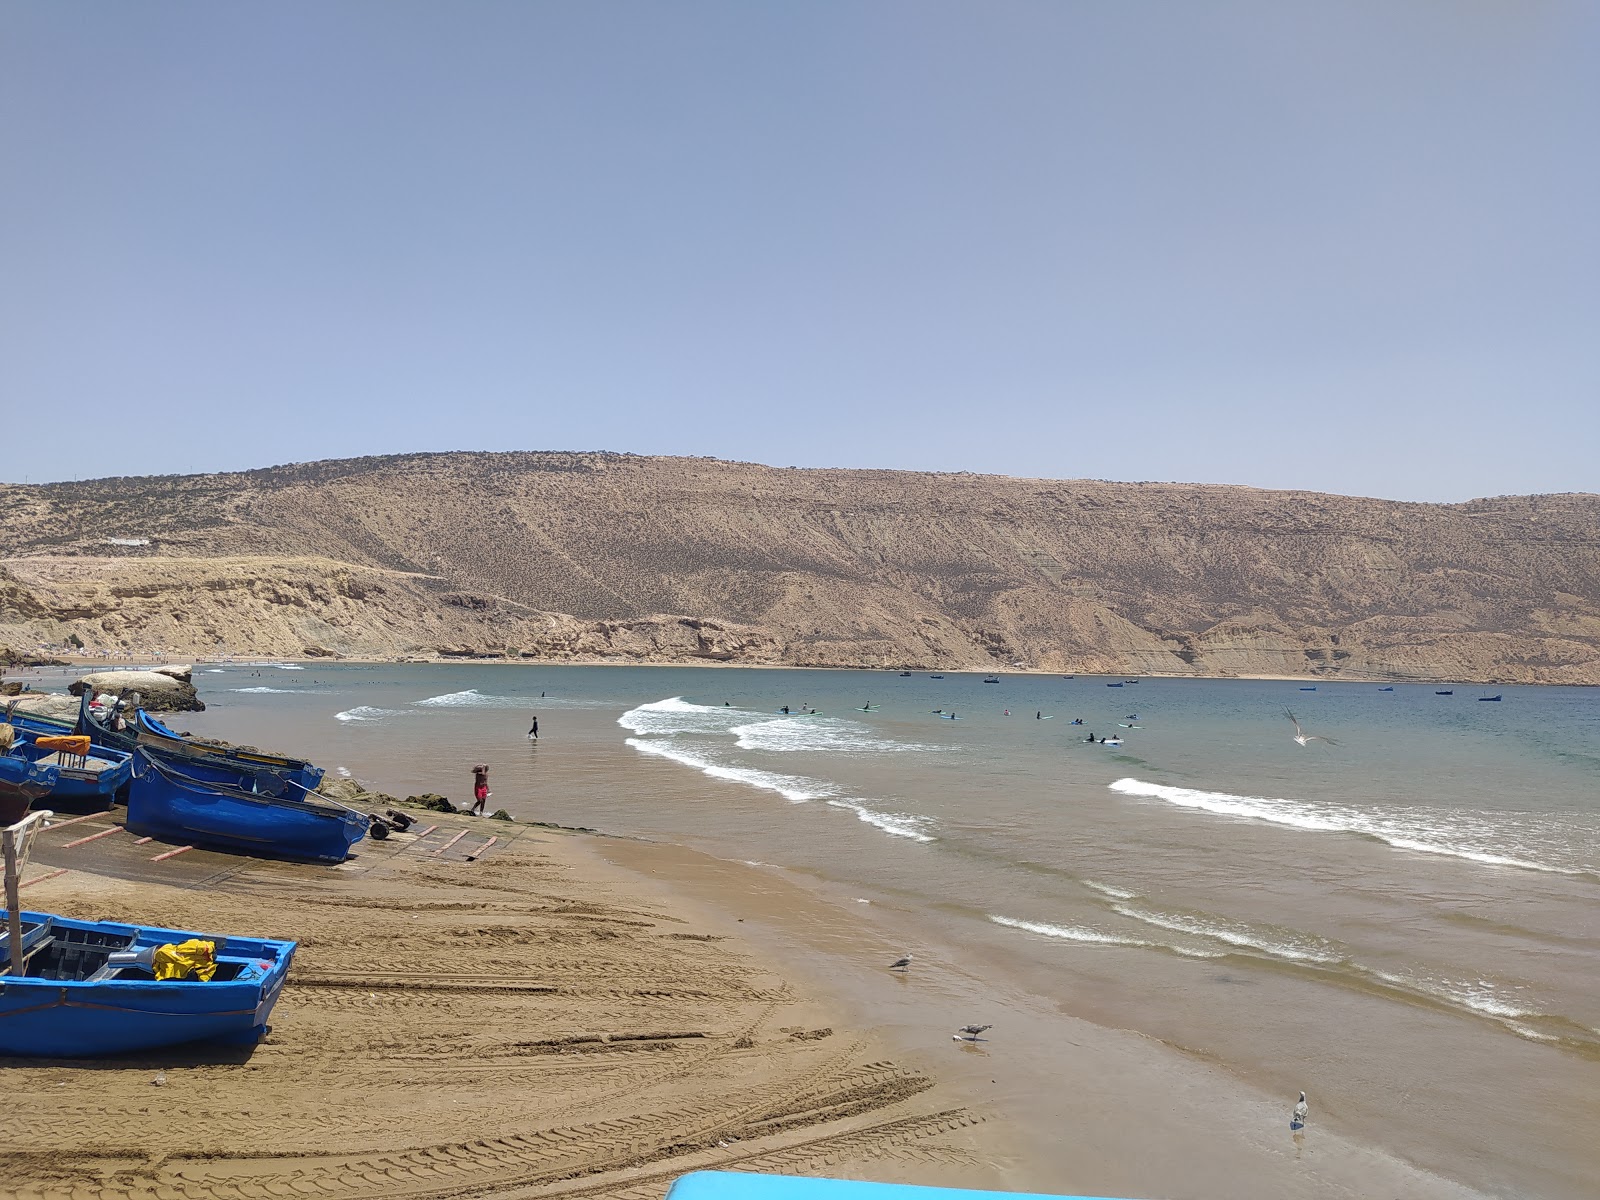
(584, 556)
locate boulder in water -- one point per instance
(160, 691)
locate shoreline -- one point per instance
(83, 662)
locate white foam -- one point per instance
(1071, 933)
(1395, 829)
(365, 712)
(344, 772)
(1105, 889)
(675, 715)
(793, 788)
(905, 825)
(473, 698)
(820, 735)
(272, 691)
(213, 671)
(1234, 935)
(282, 666)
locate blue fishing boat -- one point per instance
(1386, 689)
(1444, 693)
(1113, 685)
(167, 799)
(202, 758)
(743, 1185)
(96, 774)
(22, 781)
(1308, 689)
(89, 988)
(1488, 699)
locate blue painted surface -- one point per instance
(66, 1011)
(21, 776)
(737, 1185)
(167, 800)
(74, 785)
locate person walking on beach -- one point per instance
(534, 731)
(480, 789)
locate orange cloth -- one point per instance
(72, 744)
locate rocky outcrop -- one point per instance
(160, 690)
(589, 557)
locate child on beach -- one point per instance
(480, 789)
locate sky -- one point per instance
(1347, 247)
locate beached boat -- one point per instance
(85, 772)
(168, 799)
(72, 998)
(300, 776)
(22, 781)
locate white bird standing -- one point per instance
(900, 964)
(1301, 1111)
(1301, 736)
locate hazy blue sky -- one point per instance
(1345, 246)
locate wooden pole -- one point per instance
(13, 904)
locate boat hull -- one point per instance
(43, 1016)
(166, 803)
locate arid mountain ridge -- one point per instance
(581, 556)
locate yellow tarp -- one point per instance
(72, 744)
(182, 959)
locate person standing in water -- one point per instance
(480, 789)
(533, 731)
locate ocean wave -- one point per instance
(905, 825)
(821, 735)
(675, 715)
(282, 666)
(1282, 945)
(365, 712)
(275, 691)
(473, 698)
(1398, 831)
(1105, 889)
(1071, 933)
(793, 788)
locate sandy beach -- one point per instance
(529, 1023)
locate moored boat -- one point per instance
(1488, 699)
(22, 781)
(170, 799)
(89, 988)
(85, 771)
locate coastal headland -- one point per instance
(579, 557)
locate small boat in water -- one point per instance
(991, 679)
(1386, 689)
(905, 674)
(1444, 693)
(1113, 685)
(170, 799)
(1308, 689)
(1488, 699)
(89, 988)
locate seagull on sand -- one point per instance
(1304, 738)
(969, 1033)
(900, 964)
(1301, 1110)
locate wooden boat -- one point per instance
(169, 799)
(94, 773)
(300, 776)
(72, 999)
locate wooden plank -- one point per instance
(141, 841)
(483, 847)
(171, 853)
(451, 842)
(426, 832)
(94, 837)
(41, 878)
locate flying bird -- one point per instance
(969, 1033)
(900, 964)
(1304, 738)
(1301, 1110)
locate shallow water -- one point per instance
(1402, 923)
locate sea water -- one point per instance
(1405, 916)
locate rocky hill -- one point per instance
(591, 556)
